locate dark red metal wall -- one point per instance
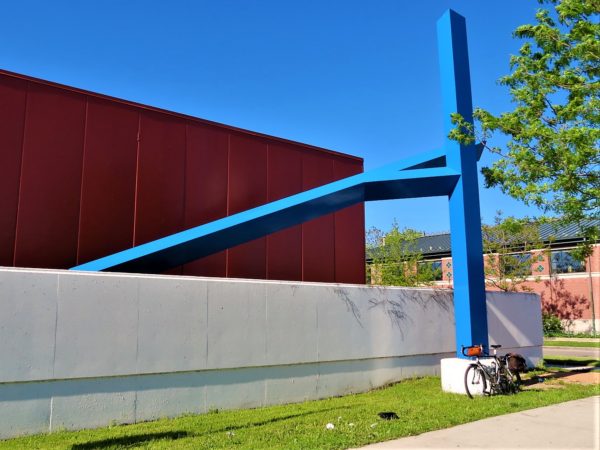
(83, 175)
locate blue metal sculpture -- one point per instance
(465, 219)
(450, 171)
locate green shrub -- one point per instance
(552, 325)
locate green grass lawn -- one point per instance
(419, 403)
(571, 344)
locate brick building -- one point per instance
(569, 288)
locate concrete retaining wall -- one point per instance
(581, 325)
(86, 349)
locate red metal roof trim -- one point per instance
(172, 113)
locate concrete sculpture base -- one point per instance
(453, 374)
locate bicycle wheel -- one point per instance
(475, 381)
(514, 381)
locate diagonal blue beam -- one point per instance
(189, 245)
(402, 179)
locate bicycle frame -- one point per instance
(495, 372)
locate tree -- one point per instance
(508, 245)
(552, 158)
(396, 258)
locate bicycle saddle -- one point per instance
(496, 346)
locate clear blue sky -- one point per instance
(360, 77)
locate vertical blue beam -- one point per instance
(465, 220)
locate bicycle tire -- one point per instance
(514, 382)
(511, 381)
(475, 381)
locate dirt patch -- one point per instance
(553, 380)
(542, 387)
(583, 378)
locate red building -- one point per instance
(84, 175)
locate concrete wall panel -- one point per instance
(24, 409)
(27, 325)
(514, 330)
(242, 388)
(97, 326)
(297, 383)
(294, 341)
(172, 333)
(236, 324)
(344, 377)
(388, 370)
(345, 313)
(352, 312)
(194, 344)
(92, 403)
(170, 395)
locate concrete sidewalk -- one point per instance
(581, 352)
(569, 425)
(570, 339)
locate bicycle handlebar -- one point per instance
(473, 350)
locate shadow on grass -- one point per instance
(276, 419)
(565, 362)
(129, 441)
(134, 440)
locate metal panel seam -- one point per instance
(335, 224)
(20, 173)
(227, 199)
(302, 224)
(85, 128)
(137, 176)
(267, 236)
(185, 155)
(334, 227)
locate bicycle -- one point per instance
(494, 377)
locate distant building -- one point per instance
(569, 288)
